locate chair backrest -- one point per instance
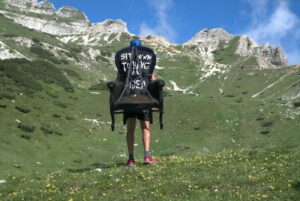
(135, 65)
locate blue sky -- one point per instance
(276, 22)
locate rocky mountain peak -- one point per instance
(246, 46)
(210, 35)
(65, 21)
(207, 41)
(110, 26)
(45, 7)
(72, 13)
(22, 2)
(157, 40)
(269, 56)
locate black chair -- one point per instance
(136, 92)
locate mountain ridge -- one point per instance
(218, 98)
(206, 41)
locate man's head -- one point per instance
(136, 42)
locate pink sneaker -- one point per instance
(149, 160)
(131, 163)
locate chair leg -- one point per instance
(112, 121)
(124, 118)
(151, 116)
(161, 120)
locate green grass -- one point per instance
(213, 147)
(26, 74)
(226, 52)
(8, 27)
(232, 175)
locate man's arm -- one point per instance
(153, 77)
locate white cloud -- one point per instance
(163, 26)
(278, 27)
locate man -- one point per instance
(143, 116)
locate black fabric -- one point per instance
(143, 115)
(143, 63)
(136, 93)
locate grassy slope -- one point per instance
(196, 128)
(256, 174)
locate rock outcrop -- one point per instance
(28, 3)
(72, 14)
(270, 57)
(266, 55)
(208, 40)
(65, 21)
(110, 26)
(246, 46)
(7, 53)
(72, 25)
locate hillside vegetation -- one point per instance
(231, 128)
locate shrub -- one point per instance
(230, 95)
(76, 49)
(267, 124)
(60, 104)
(297, 104)
(98, 87)
(239, 100)
(26, 74)
(2, 105)
(44, 54)
(72, 73)
(14, 69)
(26, 136)
(7, 95)
(69, 118)
(26, 128)
(106, 54)
(101, 58)
(73, 97)
(9, 35)
(23, 109)
(47, 130)
(35, 40)
(58, 133)
(260, 118)
(264, 132)
(55, 115)
(52, 94)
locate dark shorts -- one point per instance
(143, 115)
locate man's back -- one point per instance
(137, 64)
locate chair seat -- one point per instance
(138, 102)
(139, 99)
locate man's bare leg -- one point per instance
(148, 159)
(130, 135)
(145, 126)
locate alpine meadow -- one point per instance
(231, 114)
